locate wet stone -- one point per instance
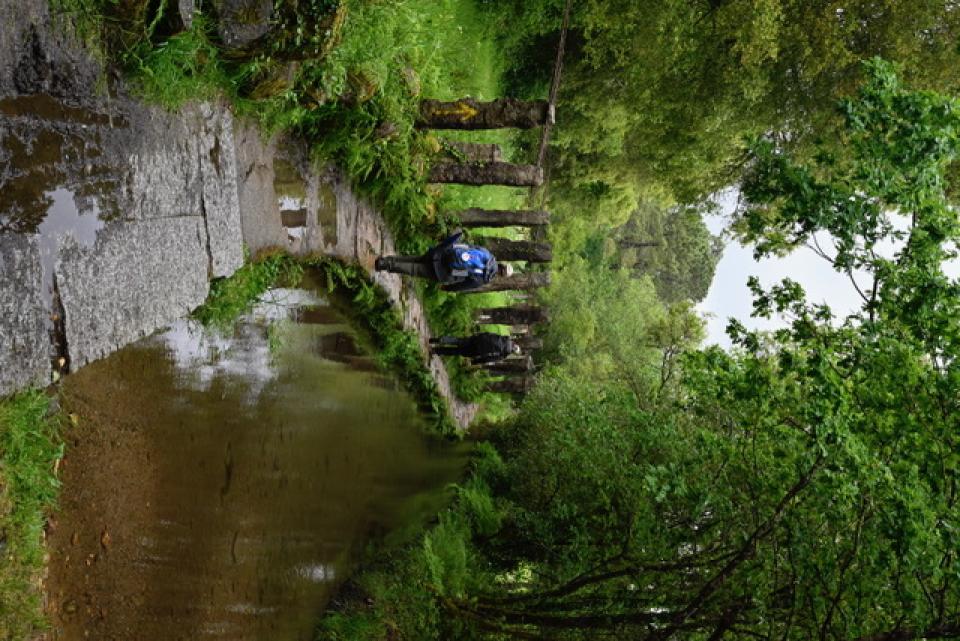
(24, 342)
(260, 216)
(327, 213)
(137, 278)
(221, 199)
(243, 22)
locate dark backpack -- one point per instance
(467, 262)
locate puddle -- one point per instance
(317, 315)
(45, 146)
(291, 190)
(218, 486)
(63, 218)
(50, 108)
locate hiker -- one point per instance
(455, 265)
(480, 348)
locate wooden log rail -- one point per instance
(514, 315)
(511, 385)
(502, 218)
(468, 113)
(527, 342)
(488, 173)
(506, 249)
(511, 366)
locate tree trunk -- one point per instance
(490, 173)
(516, 315)
(532, 280)
(293, 217)
(472, 151)
(510, 366)
(527, 342)
(511, 385)
(502, 218)
(505, 249)
(468, 113)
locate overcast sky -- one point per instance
(729, 297)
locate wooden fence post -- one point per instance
(515, 315)
(510, 366)
(530, 280)
(506, 249)
(488, 173)
(467, 113)
(502, 218)
(511, 385)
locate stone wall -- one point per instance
(115, 216)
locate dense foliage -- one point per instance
(803, 485)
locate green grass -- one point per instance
(231, 297)
(399, 593)
(29, 447)
(185, 67)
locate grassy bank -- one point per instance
(402, 592)
(29, 448)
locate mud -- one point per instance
(218, 487)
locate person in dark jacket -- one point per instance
(455, 265)
(480, 348)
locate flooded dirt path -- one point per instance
(216, 487)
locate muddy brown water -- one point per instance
(219, 486)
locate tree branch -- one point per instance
(745, 552)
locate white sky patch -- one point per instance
(729, 296)
(203, 355)
(291, 203)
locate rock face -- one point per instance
(241, 23)
(137, 278)
(24, 342)
(128, 209)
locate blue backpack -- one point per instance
(470, 263)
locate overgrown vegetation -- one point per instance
(231, 297)
(803, 485)
(29, 448)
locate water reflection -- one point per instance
(217, 486)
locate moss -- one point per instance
(231, 297)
